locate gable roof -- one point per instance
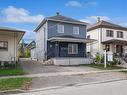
(66, 19)
(105, 24)
(60, 18)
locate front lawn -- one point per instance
(12, 70)
(14, 83)
(101, 66)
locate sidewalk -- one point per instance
(61, 74)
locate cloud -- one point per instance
(29, 35)
(81, 4)
(19, 15)
(93, 19)
(74, 4)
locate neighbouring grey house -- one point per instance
(62, 39)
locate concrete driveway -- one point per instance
(34, 67)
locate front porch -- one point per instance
(67, 47)
(117, 47)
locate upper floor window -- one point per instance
(72, 48)
(76, 30)
(119, 34)
(109, 33)
(3, 45)
(60, 28)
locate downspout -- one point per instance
(101, 36)
(45, 55)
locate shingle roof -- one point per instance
(105, 24)
(69, 36)
(64, 18)
(10, 29)
(61, 19)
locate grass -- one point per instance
(17, 70)
(101, 66)
(14, 83)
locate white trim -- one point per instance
(76, 30)
(53, 39)
(73, 46)
(60, 28)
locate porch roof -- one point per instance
(70, 39)
(115, 41)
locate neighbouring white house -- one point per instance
(32, 47)
(9, 40)
(109, 36)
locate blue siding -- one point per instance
(61, 50)
(68, 30)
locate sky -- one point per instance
(27, 14)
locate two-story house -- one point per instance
(61, 38)
(109, 36)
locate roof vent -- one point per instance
(57, 13)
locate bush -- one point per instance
(98, 58)
(115, 62)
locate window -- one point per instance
(107, 47)
(109, 33)
(60, 28)
(119, 34)
(76, 30)
(3, 45)
(72, 48)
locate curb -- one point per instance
(59, 87)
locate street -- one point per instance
(109, 88)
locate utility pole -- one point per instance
(105, 57)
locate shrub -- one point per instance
(98, 58)
(115, 62)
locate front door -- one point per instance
(119, 49)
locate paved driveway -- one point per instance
(42, 82)
(33, 67)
